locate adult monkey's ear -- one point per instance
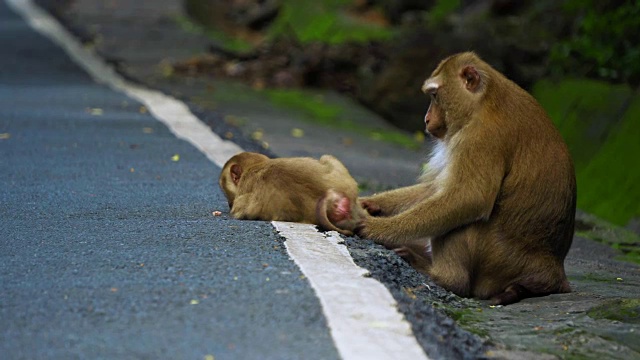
(471, 78)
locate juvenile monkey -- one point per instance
(305, 190)
(498, 198)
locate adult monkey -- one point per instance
(497, 200)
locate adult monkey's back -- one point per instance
(498, 198)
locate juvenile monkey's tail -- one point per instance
(335, 206)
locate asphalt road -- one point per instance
(108, 247)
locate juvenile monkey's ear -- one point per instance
(471, 78)
(236, 173)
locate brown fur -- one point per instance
(498, 198)
(305, 190)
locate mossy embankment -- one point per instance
(601, 124)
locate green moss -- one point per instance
(584, 111)
(312, 106)
(467, 318)
(323, 21)
(623, 310)
(609, 182)
(333, 115)
(599, 123)
(228, 42)
(591, 277)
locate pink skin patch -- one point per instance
(341, 210)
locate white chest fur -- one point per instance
(439, 157)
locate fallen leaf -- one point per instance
(209, 357)
(228, 135)
(409, 291)
(175, 157)
(95, 111)
(147, 130)
(537, 328)
(216, 213)
(113, 289)
(142, 109)
(297, 133)
(257, 135)
(619, 279)
(5, 136)
(132, 170)
(195, 302)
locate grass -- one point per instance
(324, 21)
(333, 115)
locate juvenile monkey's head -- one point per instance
(456, 88)
(232, 171)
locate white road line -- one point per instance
(360, 311)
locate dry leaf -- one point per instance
(95, 111)
(257, 135)
(175, 157)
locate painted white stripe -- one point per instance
(361, 313)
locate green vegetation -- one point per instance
(228, 42)
(312, 105)
(584, 111)
(603, 44)
(599, 123)
(468, 318)
(440, 10)
(323, 21)
(623, 310)
(332, 115)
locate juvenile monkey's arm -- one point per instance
(395, 201)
